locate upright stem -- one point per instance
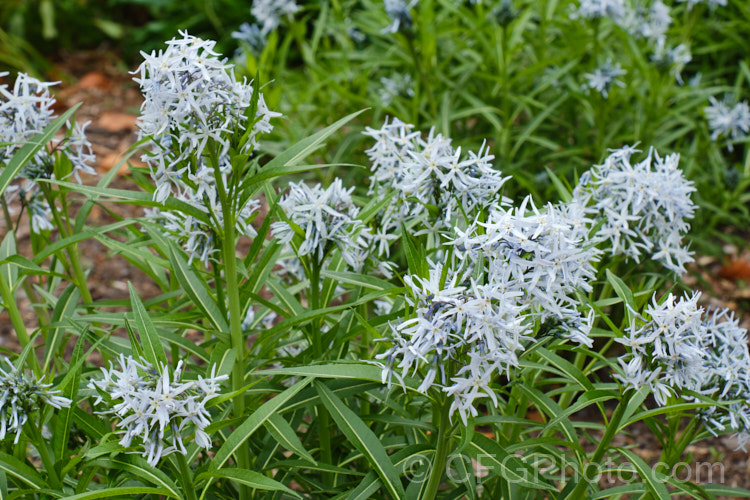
(601, 449)
(73, 255)
(42, 315)
(235, 327)
(423, 77)
(187, 477)
(44, 454)
(669, 457)
(17, 321)
(324, 424)
(441, 419)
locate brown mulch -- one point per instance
(111, 101)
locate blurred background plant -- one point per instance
(551, 85)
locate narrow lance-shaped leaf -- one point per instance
(65, 415)
(253, 422)
(363, 439)
(152, 348)
(197, 290)
(64, 309)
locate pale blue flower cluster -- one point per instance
(712, 4)
(327, 218)
(521, 266)
(394, 86)
(193, 106)
(593, 9)
(20, 396)
(252, 35)
(26, 110)
(731, 122)
(649, 22)
(269, 13)
(157, 409)
(678, 350)
(673, 58)
(399, 12)
(479, 326)
(544, 256)
(642, 21)
(510, 269)
(641, 208)
(434, 184)
(604, 77)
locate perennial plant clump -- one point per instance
(479, 315)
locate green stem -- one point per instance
(73, 255)
(324, 424)
(235, 328)
(220, 297)
(47, 461)
(441, 419)
(42, 316)
(612, 427)
(601, 449)
(425, 79)
(669, 459)
(187, 477)
(504, 94)
(237, 339)
(17, 321)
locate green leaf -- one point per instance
(585, 400)
(552, 409)
(618, 491)
(358, 371)
(490, 454)
(363, 439)
(138, 467)
(132, 197)
(197, 290)
(415, 256)
(566, 367)
(650, 477)
(673, 408)
(621, 289)
(150, 341)
(285, 435)
(19, 470)
(120, 492)
(365, 489)
(358, 280)
(65, 415)
(27, 266)
(223, 358)
(26, 152)
(253, 422)
(727, 491)
(248, 478)
(304, 147)
(8, 272)
(64, 309)
(562, 189)
(343, 388)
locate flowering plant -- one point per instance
(460, 324)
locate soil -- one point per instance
(111, 102)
